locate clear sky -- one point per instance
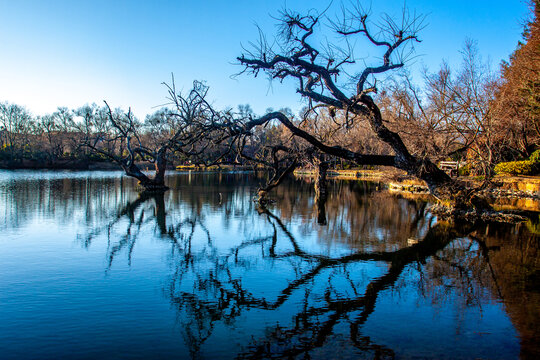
(69, 53)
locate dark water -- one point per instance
(89, 269)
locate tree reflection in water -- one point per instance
(210, 285)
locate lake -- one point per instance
(89, 268)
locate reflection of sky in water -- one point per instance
(87, 271)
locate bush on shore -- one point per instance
(530, 166)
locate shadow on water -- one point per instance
(353, 274)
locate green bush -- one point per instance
(535, 156)
(524, 167)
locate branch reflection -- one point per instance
(313, 293)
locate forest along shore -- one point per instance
(506, 192)
(75, 164)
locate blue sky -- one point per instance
(68, 53)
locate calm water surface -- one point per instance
(91, 269)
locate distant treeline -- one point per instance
(50, 141)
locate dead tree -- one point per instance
(121, 140)
(124, 140)
(322, 79)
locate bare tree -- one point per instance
(123, 139)
(338, 92)
(334, 81)
(118, 137)
(464, 102)
(451, 116)
(16, 124)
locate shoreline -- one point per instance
(508, 193)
